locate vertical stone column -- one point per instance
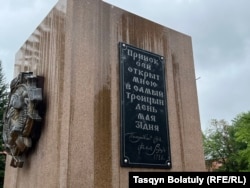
(94, 30)
(76, 50)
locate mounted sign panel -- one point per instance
(144, 119)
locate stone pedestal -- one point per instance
(76, 50)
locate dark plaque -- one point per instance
(144, 119)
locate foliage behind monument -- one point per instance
(228, 144)
(3, 102)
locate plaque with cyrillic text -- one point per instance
(144, 118)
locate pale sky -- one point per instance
(220, 32)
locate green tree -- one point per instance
(3, 103)
(242, 136)
(228, 144)
(218, 144)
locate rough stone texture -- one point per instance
(75, 48)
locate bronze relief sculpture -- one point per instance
(21, 116)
